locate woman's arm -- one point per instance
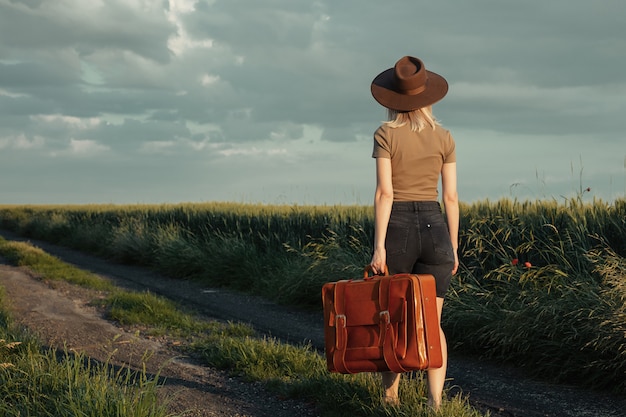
(383, 201)
(451, 204)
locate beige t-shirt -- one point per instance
(416, 159)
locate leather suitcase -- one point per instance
(381, 323)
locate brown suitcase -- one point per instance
(381, 323)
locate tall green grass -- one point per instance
(240, 246)
(541, 283)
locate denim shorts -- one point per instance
(418, 242)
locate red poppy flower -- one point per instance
(527, 264)
(515, 261)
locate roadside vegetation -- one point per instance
(43, 382)
(542, 284)
(290, 371)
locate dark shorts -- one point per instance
(418, 242)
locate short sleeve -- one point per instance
(450, 149)
(382, 149)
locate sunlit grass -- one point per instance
(300, 372)
(25, 254)
(37, 382)
(162, 316)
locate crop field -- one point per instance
(541, 284)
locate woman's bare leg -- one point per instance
(437, 377)
(391, 382)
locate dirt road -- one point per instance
(60, 314)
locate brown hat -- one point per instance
(408, 86)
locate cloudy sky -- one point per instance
(157, 101)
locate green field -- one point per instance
(542, 284)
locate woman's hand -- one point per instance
(379, 261)
(456, 261)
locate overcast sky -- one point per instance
(157, 101)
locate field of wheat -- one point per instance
(541, 284)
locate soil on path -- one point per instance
(61, 317)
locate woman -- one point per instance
(412, 152)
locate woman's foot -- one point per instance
(391, 400)
(433, 405)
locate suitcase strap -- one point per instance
(387, 336)
(341, 331)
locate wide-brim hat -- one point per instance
(408, 86)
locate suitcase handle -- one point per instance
(368, 269)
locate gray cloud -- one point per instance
(87, 27)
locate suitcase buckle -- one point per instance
(341, 332)
(385, 316)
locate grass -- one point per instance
(542, 286)
(292, 371)
(37, 382)
(300, 372)
(561, 316)
(161, 316)
(44, 264)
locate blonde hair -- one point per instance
(418, 119)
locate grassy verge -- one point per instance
(35, 382)
(291, 371)
(24, 254)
